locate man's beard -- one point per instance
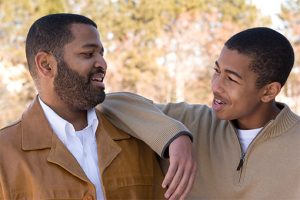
(75, 90)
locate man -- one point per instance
(247, 144)
(62, 147)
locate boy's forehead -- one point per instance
(232, 60)
(233, 56)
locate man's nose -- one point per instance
(100, 62)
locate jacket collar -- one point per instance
(36, 131)
(106, 135)
(37, 134)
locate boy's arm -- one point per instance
(141, 118)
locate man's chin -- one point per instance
(92, 102)
(103, 95)
(100, 98)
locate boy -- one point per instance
(247, 144)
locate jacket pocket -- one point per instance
(133, 188)
(49, 193)
(127, 181)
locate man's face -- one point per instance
(236, 96)
(79, 78)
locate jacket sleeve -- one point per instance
(144, 120)
(1, 193)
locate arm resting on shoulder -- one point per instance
(140, 118)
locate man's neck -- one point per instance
(78, 118)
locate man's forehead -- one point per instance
(79, 29)
(85, 35)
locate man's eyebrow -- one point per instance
(230, 71)
(92, 45)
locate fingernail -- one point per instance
(167, 195)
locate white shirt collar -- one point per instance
(82, 144)
(61, 127)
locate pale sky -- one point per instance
(269, 8)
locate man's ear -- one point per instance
(45, 64)
(271, 90)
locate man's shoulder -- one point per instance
(125, 95)
(113, 131)
(10, 133)
(10, 127)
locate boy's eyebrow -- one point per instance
(230, 71)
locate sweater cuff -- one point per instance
(165, 151)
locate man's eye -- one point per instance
(88, 55)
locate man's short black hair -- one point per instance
(50, 33)
(272, 54)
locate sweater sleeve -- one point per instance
(144, 120)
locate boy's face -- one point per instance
(236, 96)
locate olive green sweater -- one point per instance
(269, 170)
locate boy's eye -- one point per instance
(216, 70)
(229, 78)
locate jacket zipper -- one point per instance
(243, 155)
(242, 159)
(241, 163)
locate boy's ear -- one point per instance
(271, 90)
(45, 64)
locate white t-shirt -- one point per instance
(246, 137)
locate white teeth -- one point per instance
(97, 79)
(218, 101)
(100, 78)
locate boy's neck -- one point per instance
(267, 113)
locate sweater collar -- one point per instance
(283, 121)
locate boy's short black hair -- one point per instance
(272, 54)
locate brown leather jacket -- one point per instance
(35, 164)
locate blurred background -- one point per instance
(161, 49)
